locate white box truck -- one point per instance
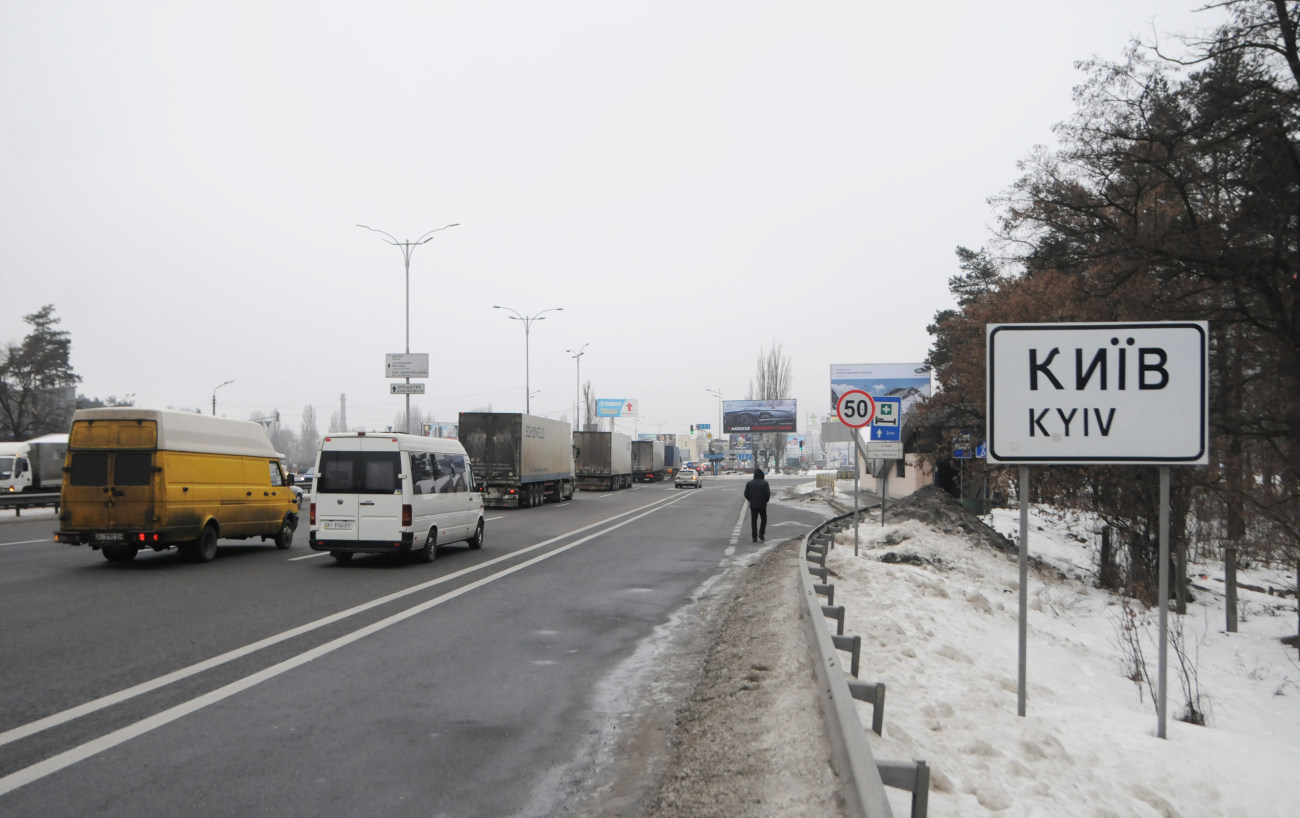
(33, 465)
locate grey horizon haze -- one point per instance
(691, 182)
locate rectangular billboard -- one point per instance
(779, 415)
(1127, 393)
(909, 382)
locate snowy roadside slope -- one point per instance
(942, 635)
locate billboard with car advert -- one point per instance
(910, 382)
(759, 415)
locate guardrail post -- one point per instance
(874, 693)
(911, 776)
(821, 573)
(853, 644)
(835, 612)
(826, 590)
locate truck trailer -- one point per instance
(604, 461)
(33, 465)
(670, 460)
(647, 461)
(519, 460)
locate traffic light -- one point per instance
(801, 445)
(692, 428)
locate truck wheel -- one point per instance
(476, 542)
(342, 557)
(284, 538)
(120, 553)
(204, 548)
(430, 549)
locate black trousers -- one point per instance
(758, 530)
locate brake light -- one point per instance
(406, 515)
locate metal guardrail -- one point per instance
(864, 779)
(20, 500)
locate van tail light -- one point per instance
(311, 514)
(406, 515)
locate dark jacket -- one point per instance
(757, 492)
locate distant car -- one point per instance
(689, 478)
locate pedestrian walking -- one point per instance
(757, 492)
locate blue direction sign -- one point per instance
(888, 421)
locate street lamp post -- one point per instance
(718, 394)
(528, 323)
(214, 395)
(577, 385)
(407, 247)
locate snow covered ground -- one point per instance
(942, 635)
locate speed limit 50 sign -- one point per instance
(856, 408)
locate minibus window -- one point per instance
(89, 469)
(358, 473)
(422, 465)
(277, 478)
(132, 468)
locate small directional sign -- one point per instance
(406, 389)
(887, 424)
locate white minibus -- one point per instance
(392, 493)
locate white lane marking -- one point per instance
(740, 523)
(25, 542)
(55, 719)
(66, 759)
(312, 555)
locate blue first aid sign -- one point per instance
(1133, 393)
(888, 422)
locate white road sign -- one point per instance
(1134, 393)
(406, 365)
(406, 389)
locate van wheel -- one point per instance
(342, 557)
(204, 548)
(284, 538)
(430, 549)
(476, 541)
(120, 553)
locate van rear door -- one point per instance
(358, 495)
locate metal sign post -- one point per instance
(856, 409)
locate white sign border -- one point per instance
(1199, 459)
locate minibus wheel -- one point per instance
(204, 548)
(430, 549)
(120, 553)
(476, 541)
(284, 539)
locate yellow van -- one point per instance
(152, 478)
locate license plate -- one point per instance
(338, 525)
(108, 536)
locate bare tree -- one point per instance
(773, 376)
(588, 405)
(308, 436)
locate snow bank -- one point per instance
(942, 636)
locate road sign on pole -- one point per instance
(856, 408)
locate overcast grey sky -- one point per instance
(690, 181)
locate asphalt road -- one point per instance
(281, 683)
